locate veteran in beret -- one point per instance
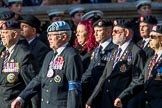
(145, 25)
(17, 66)
(60, 75)
(150, 80)
(124, 64)
(103, 35)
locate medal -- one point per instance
(123, 68)
(11, 78)
(57, 78)
(50, 73)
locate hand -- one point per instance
(118, 103)
(16, 104)
(88, 106)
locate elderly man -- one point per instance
(145, 26)
(60, 75)
(16, 64)
(124, 64)
(150, 79)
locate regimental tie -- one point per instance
(142, 44)
(151, 65)
(117, 57)
(98, 52)
(7, 53)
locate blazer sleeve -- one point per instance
(98, 87)
(73, 74)
(134, 88)
(27, 68)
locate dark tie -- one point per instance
(151, 65)
(117, 56)
(6, 58)
(142, 44)
(98, 52)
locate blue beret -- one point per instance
(58, 26)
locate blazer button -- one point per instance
(146, 102)
(107, 90)
(108, 81)
(47, 91)
(146, 92)
(42, 99)
(50, 80)
(47, 102)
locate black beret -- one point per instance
(123, 23)
(102, 23)
(157, 28)
(6, 15)
(148, 19)
(32, 21)
(10, 25)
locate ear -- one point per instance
(34, 30)
(127, 32)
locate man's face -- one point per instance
(26, 30)
(119, 35)
(144, 29)
(102, 33)
(81, 34)
(55, 40)
(155, 40)
(7, 37)
(144, 10)
(16, 7)
(77, 17)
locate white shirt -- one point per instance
(105, 44)
(123, 47)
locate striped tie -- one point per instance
(117, 57)
(6, 58)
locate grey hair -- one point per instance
(68, 33)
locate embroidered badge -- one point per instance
(123, 68)
(57, 78)
(11, 78)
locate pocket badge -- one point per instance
(57, 78)
(123, 68)
(11, 78)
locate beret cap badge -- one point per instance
(115, 22)
(4, 26)
(141, 18)
(100, 23)
(154, 28)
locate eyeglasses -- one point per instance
(118, 31)
(154, 36)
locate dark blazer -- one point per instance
(39, 50)
(12, 82)
(149, 51)
(152, 87)
(114, 81)
(55, 89)
(92, 74)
